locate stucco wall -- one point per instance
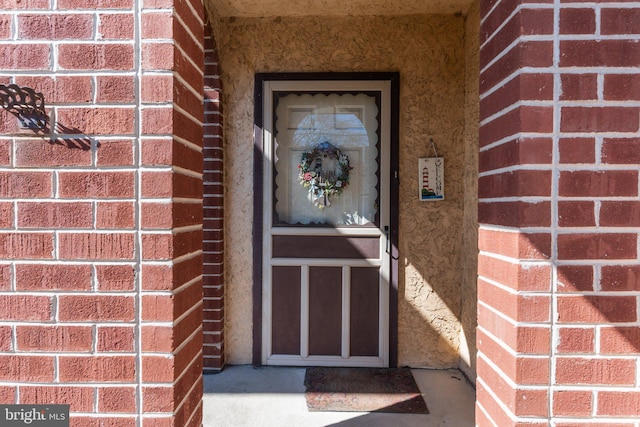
(429, 53)
(470, 231)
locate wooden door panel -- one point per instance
(364, 311)
(325, 311)
(285, 320)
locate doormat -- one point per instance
(363, 390)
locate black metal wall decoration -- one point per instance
(26, 104)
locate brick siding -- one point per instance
(101, 213)
(558, 285)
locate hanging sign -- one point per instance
(431, 176)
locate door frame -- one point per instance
(393, 78)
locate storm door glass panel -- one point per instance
(326, 158)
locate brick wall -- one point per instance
(558, 284)
(101, 213)
(213, 211)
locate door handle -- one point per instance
(388, 243)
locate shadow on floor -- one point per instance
(274, 397)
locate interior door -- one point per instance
(326, 267)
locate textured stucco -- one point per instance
(469, 289)
(429, 53)
(262, 8)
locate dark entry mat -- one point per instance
(363, 390)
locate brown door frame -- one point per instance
(257, 231)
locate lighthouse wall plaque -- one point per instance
(431, 178)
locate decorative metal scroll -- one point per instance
(24, 103)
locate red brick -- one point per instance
(623, 340)
(576, 340)
(600, 119)
(6, 337)
(529, 246)
(76, 89)
(522, 339)
(55, 26)
(115, 153)
(598, 183)
(157, 151)
(54, 338)
(38, 153)
(621, 151)
(158, 121)
(158, 308)
(594, 53)
(622, 87)
(158, 399)
(55, 215)
(96, 184)
(115, 89)
(157, 215)
(620, 278)
(116, 339)
(32, 277)
(80, 399)
(109, 246)
(87, 308)
(619, 403)
(5, 152)
(82, 369)
(103, 421)
(579, 86)
(8, 395)
(596, 309)
(157, 25)
(157, 184)
(515, 214)
(115, 26)
(157, 246)
(117, 399)
(24, 56)
(5, 277)
(95, 57)
(5, 27)
(25, 184)
(157, 369)
(576, 214)
(519, 183)
(590, 371)
(157, 88)
(115, 277)
(24, 368)
(97, 120)
(620, 214)
(115, 215)
(518, 152)
(95, 4)
(157, 56)
(157, 339)
(523, 119)
(622, 21)
(6, 214)
(575, 278)
(597, 246)
(520, 308)
(574, 403)
(577, 21)
(26, 245)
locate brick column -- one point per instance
(101, 212)
(213, 211)
(558, 269)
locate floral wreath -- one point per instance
(324, 171)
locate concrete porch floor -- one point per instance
(274, 397)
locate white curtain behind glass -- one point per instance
(349, 122)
